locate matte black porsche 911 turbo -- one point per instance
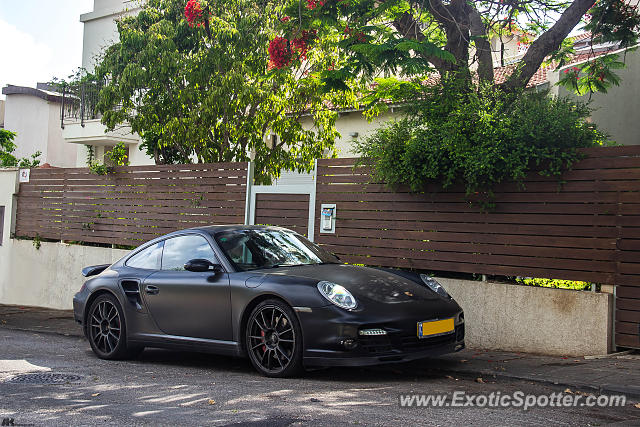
(267, 293)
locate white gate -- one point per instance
(289, 202)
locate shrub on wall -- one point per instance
(7, 147)
(479, 138)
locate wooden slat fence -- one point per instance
(586, 229)
(131, 205)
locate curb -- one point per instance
(629, 391)
(42, 331)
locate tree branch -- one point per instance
(546, 44)
(408, 27)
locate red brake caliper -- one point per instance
(264, 347)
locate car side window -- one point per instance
(237, 250)
(148, 259)
(179, 250)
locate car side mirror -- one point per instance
(201, 265)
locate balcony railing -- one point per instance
(79, 103)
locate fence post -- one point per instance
(9, 186)
(248, 209)
(312, 202)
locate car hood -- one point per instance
(366, 284)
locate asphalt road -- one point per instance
(164, 387)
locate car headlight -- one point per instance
(434, 285)
(337, 294)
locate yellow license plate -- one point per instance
(430, 328)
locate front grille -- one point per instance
(394, 343)
(413, 343)
(376, 344)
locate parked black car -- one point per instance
(267, 293)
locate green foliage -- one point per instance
(362, 42)
(99, 168)
(118, 155)
(407, 38)
(32, 161)
(7, 147)
(614, 21)
(592, 76)
(206, 94)
(95, 166)
(478, 139)
(37, 242)
(554, 283)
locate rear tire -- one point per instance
(106, 330)
(273, 339)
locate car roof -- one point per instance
(213, 229)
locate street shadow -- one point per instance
(424, 369)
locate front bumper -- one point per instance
(79, 300)
(335, 359)
(327, 329)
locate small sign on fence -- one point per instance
(24, 175)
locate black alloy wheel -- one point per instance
(274, 339)
(106, 329)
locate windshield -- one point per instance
(266, 248)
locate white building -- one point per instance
(81, 127)
(34, 115)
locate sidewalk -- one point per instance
(38, 319)
(613, 374)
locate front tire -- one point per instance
(273, 339)
(107, 331)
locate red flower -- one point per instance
(312, 4)
(193, 13)
(280, 54)
(285, 19)
(301, 44)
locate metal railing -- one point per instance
(80, 102)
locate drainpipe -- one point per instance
(64, 91)
(82, 105)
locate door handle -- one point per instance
(151, 290)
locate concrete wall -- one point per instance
(533, 320)
(48, 276)
(616, 111)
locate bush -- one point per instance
(554, 283)
(479, 139)
(7, 147)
